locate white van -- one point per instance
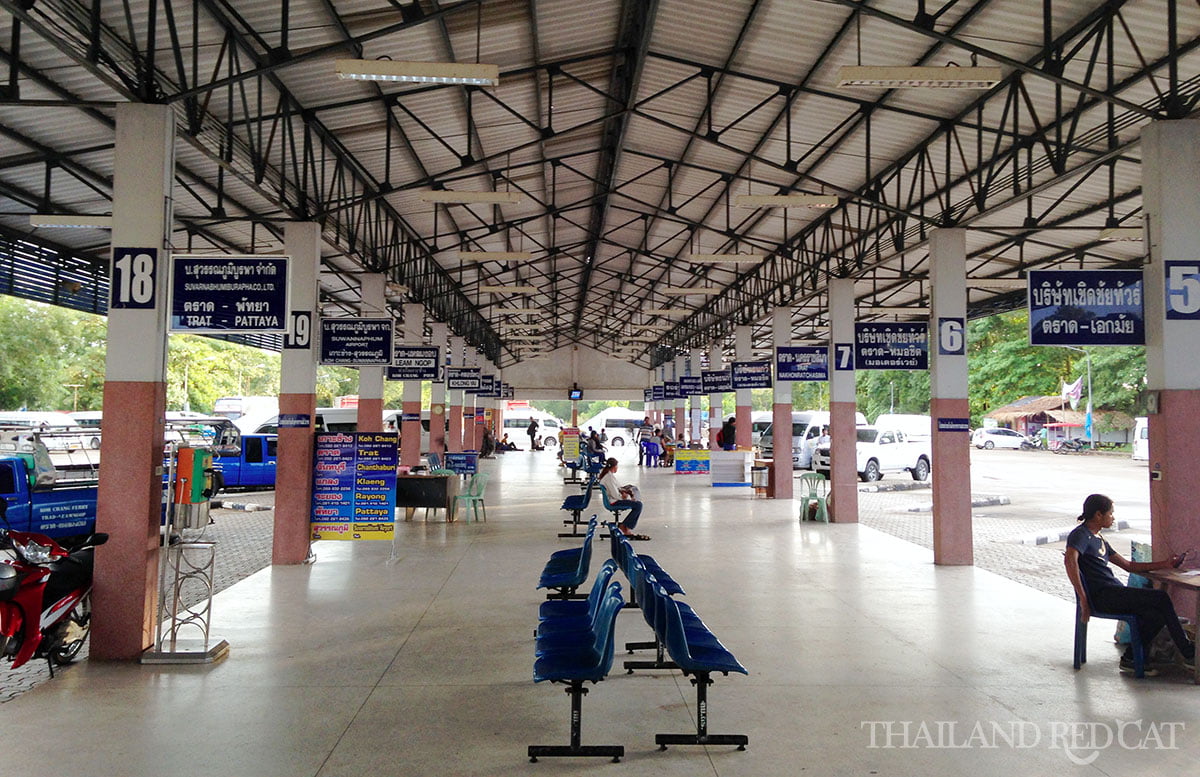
(516, 422)
(1141, 439)
(620, 425)
(760, 421)
(806, 428)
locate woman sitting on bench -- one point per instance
(627, 498)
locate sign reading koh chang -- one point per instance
(795, 362)
(229, 293)
(894, 346)
(354, 486)
(1086, 307)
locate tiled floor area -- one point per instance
(864, 659)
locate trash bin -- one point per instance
(759, 479)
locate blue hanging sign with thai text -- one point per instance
(229, 293)
(415, 362)
(797, 362)
(751, 375)
(891, 346)
(691, 386)
(1086, 307)
(356, 341)
(716, 381)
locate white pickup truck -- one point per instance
(880, 451)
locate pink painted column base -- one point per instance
(843, 467)
(953, 543)
(437, 429)
(1174, 522)
(742, 414)
(130, 510)
(370, 414)
(455, 437)
(781, 418)
(410, 434)
(293, 483)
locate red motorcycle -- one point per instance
(45, 596)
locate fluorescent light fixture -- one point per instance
(667, 312)
(898, 310)
(927, 77)
(534, 327)
(70, 222)
(470, 198)
(494, 256)
(659, 327)
(1120, 234)
(997, 283)
(418, 72)
(725, 258)
(642, 338)
(684, 291)
(524, 338)
(507, 289)
(519, 311)
(785, 200)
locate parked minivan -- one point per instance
(806, 428)
(1141, 439)
(760, 421)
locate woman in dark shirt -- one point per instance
(1087, 558)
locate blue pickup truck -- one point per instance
(38, 502)
(250, 464)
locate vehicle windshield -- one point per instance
(866, 434)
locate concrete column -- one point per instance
(437, 398)
(410, 407)
(135, 392)
(370, 379)
(716, 413)
(696, 366)
(744, 349)
(470, 403)
(952, 542)
(297, 396)
(842, 402)
(681, 419)
(454, 438)
(1171, 202)
(781, 409)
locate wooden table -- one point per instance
(436, 491)
(1168, 577)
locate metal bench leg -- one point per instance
(577, 692)
(701, 737)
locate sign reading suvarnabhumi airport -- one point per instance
(751, 375)
(415, 362)
(356, 341)
(1086, 307)
(229, 293)
(798, 362)
(894, 346)
(354, 486)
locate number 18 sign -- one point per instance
(134, 278)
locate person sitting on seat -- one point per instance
(667, 459)
(626, 496)
(1087, 559)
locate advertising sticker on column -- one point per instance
(229, 293)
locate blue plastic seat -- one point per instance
(576, 504)
(1135, 636)
(559, 634)
(608, 503)
(558, 608)
(565, 573)
(651, 453)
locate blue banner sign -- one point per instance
(660, 393)
(691, 386)
(716, 381)
(891, 346)
(1086, 307)
(648, 395)
(506, 392)
(463, 463)
(356, 341)
(751, 375)
(409, 417)
(415, 362)
(670, 389)
(229, 293)
(462, 378)
(1182, 285)
(954, 424)
(294, 421)
(797, 362)
(354, 486)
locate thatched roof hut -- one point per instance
(1028, 414)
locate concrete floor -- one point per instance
(864, 659)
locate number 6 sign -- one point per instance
(951, 339)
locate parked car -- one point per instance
(1141, 439)
(879, 451)
(997, 437)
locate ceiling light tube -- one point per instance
(1115, 234)
(494, 256)
(507, 289)
(519, 311)
(418, 72)
(70, 222)
(534, 327)
(678, 291)
(997, 283)
(926, 77)
(659, 327)
(667, 311)
(785, 200)
(893, 310)
(470, 198)
(642, 338)
(725, 258)
(524, 338)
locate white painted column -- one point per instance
(410, 404)
(681, 422)
(781, 408)
(135, 396)
(949, 410)
(695, 366)
(842, 402)
(297, 397)
(716, 411)
(470, 403)
(370, 379)
(437, 398)
(744, 348)
(1171, 201)
(454, 439)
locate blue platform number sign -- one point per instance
(1183, 290)
(299, 331)
(843, 356)
(952, 339)
(134, 274)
